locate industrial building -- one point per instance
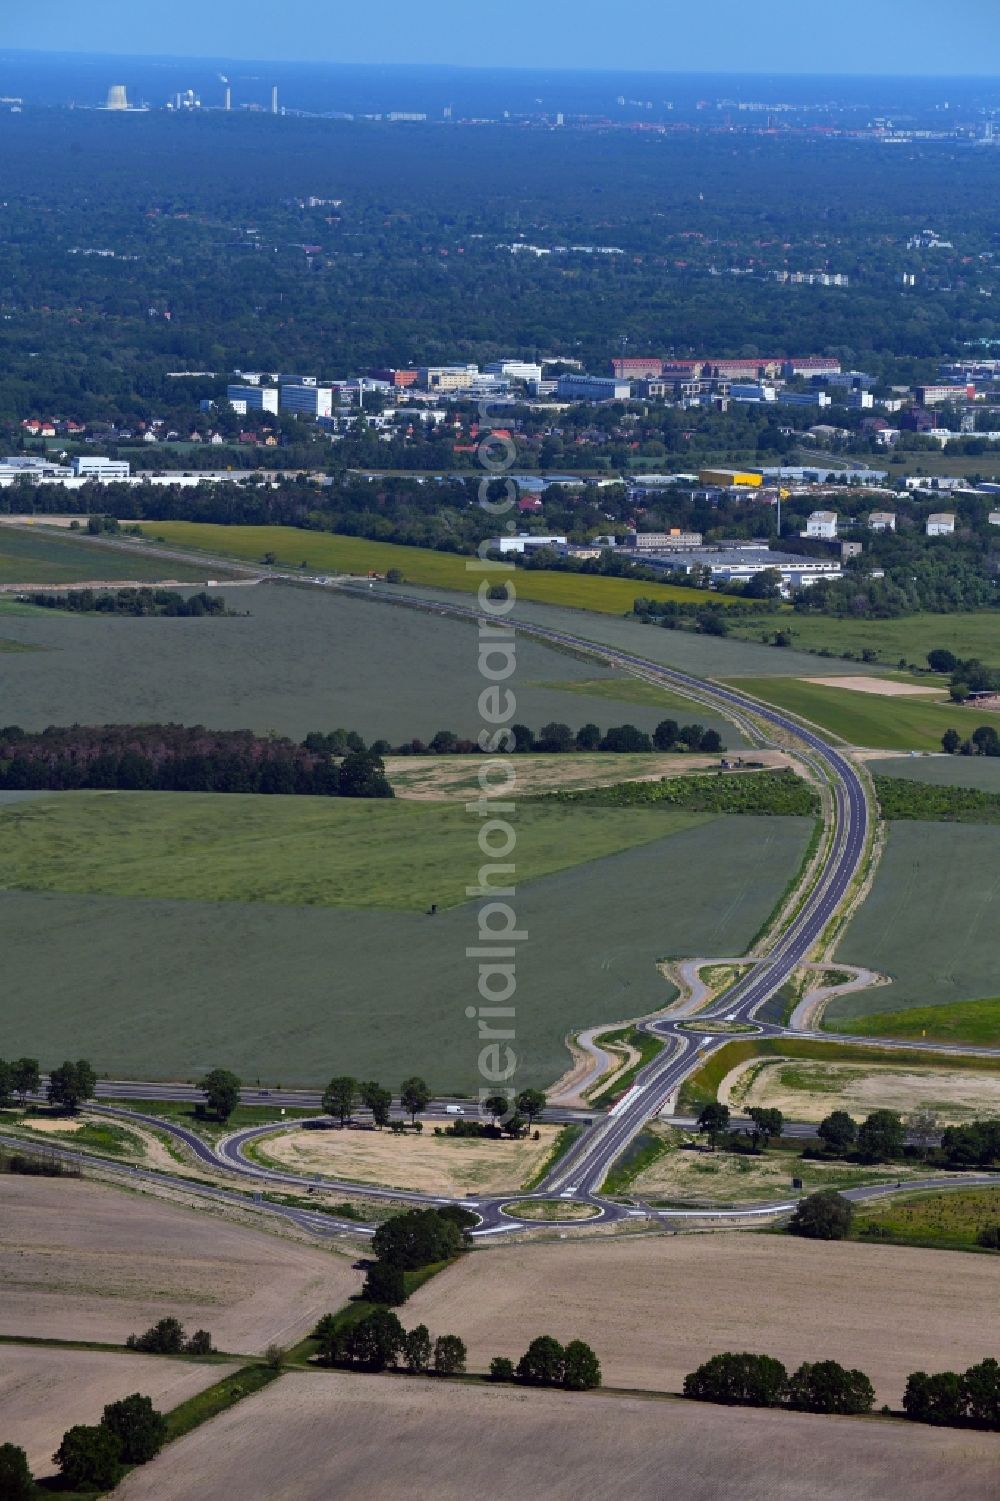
(308, 401)
(245, 399)
(90, 466)
(655, 541)
(731, 478)
(741, 562)
(593, 388)
(523, 542)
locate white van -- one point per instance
(454, 1110)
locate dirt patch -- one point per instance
(44, 1392)
(698, 1176)
(80, 1260)
(425, 1163)
(655, 1308)
(882, 687)
(54, 1127)
(383, 1437)
(807, 1090)
(449, 778)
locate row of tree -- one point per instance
(167, 1337)
(92, 1457)
(970, 1399)
(133, 602)
(378, 1342)
(556, 739)
(984, 741)
(748, 1380)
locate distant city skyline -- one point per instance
(897, 37)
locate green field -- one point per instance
(865, 718)
(971, 633)
(951, 1220)
(45, 557)
(981, 773)
(301, 851)
(975, 1022)
(930, 921)
(631, 691)
(293, 995)
(324, 552)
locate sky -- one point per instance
(716, 36)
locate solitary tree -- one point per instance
(880, 1136)
(501, 1369)
(16, 1483)
(924, 1126)
(450, 1355)
(414, 1096)
(89, 1458)
(25, 1077)
(826, 1215)
(222, 1092)
(837, 1132)
(139, 1428)
(496, 1105)
(543, 1362)
(530, 1103)
(378, 1101)
(950, 741)
(767, 1125)
(417, 1349)
(340, 1097)
(581, 1367)
(71, 1084)
(713, 1121)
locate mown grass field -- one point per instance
(865, 718)
(37, 557)
(324, 552)
(155, 988)
(951, 1220)
(970, 633)
(975, 1022)
(301, 851)
(930, 921)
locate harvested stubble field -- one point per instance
(40, 557)
(310, 1437)
(426, 1163)
(80, 1260)
(807, 1091)
(155, 985)
(301, 660)
(929, 921)
(655, 1307)
(43, 1391)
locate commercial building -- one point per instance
(245, 399)
(309, 401)
(822, 524)
(931, 396)
(447, 377)
(751, 391)
(655, 541)
(941, 524)
(593, 388)
(803, 398)
(739, 564)
(515, 369)
(731, 478)
(523, 542)
(882, 521)
(811, 365)
(106, 471)
(397, 378)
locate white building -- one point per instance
(822, 524)
(738, 564)
(882, 521)
(515, 369)
(655, 541)
(753, 391)
(245, 399)
(593, 388)
(994, 518)
(523, 542)
(89, 466)
(941, 524)
(308, 400)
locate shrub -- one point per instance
(89, 1458)
(828, 1387)
(163, 1338)
(826, 1215)
(738, 1380)
(16, 1483)
(138, 1427)
(990, 1238)
(200, 1343)
(501, 1369)
(274, 1357)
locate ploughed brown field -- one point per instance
(313, 1437)
(655, 1307)
(79, 1260)
(44, 1392)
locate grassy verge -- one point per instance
(703, 1085)
(973, 1022)
(950, 1221)
(640, 1154)
(217, 1399)
(567, 1136)
(648, 1047)
(183, 1113)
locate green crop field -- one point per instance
(303, 851)
(982, 773)
(293, 660)
(971, 633)
(325, 552)
(866, 718)
(45, 557)
(929, 922)
(974, 1022)
(293, 995)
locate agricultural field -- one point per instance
(313, 1436)
(655, 1307)
(981, 773)
(44, 1391)
(975, 1022)
(301, 851)
(929, 921)
(893, 722)
(328, 553)
(83, 1261)
(970, 633)
(293, 994)
(808, 1089)
(40, 557)
(951, 1220)
(427, 1163)
(300, 660)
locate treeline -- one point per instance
(557, 739)
(130, 602)
(179, 758)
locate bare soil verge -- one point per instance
(881, 687)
